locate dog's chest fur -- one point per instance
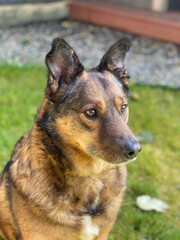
(90, 230)
(97, 199)
(84, 203)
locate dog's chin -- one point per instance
(121, 161)
(126, 161)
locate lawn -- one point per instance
(155, 173)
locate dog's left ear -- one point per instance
(114, 60)
(63, 64)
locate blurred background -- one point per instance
(91, 27)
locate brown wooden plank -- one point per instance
(163, 26)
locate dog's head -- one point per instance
(87, 111)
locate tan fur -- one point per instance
(44, 213)
(66, 178)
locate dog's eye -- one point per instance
(123, 107)
(91, 113)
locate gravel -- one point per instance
(149, 61)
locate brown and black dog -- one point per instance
(66, 177)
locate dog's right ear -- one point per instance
(63, 65)
(114, 60)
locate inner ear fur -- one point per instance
(62, 63)
(114, 60)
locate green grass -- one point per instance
(154, 173)
(21, 93)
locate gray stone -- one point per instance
(149, 61)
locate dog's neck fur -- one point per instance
(72, 160)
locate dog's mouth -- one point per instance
(120, 160)
(126, 161)
(113, 154)
(117, 158)
(124, 154)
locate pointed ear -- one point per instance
(63, 64)
(114, 60)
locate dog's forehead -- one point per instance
(101, 83)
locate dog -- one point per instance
(67, 176)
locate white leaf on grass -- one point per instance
(148, 203)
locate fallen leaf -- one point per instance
(147, 203)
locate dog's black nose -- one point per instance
(132, 149)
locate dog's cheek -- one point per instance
(70, 131)
(90, 125)
(65, 128)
